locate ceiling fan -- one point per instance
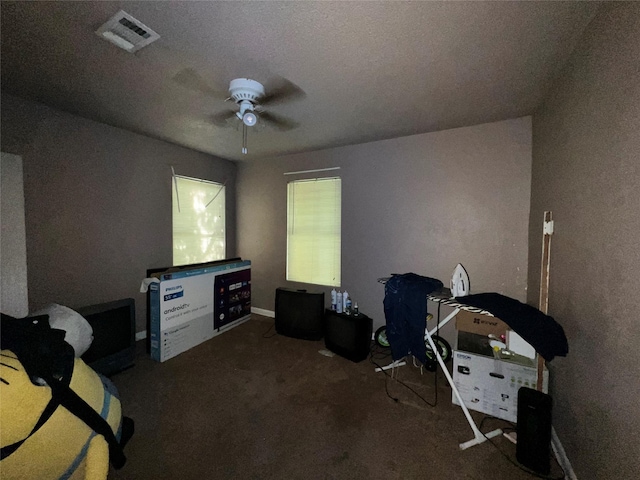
(251, 99)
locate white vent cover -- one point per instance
(126, 32)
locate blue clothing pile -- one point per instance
(405, 310)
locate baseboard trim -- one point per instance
(263, 312)
(561, 456)
(141, 335)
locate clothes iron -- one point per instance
(459, 282)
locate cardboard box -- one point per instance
(191, 306)
(519, 345)
(473, 343)
(480, 324)
(490, 386)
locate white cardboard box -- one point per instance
(490, 386)
(191, 306)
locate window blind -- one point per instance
(314, 231)
(198, 221)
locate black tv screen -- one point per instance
(348, 335)
(113, 347)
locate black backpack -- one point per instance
(48, 359)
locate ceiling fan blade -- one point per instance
(281, 90)
(190, 79)
(221, 119)
(281, 123)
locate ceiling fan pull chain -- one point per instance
(244, 139)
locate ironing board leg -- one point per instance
(479, 437)
(445, 321)
(397, 363)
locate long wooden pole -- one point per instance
(547, 231)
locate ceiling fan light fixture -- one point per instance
(249, 119)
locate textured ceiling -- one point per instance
(370, 70)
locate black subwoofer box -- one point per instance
(299, 313)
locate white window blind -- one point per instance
(314, 231)
(198, 221)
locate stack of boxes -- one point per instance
(488, 380)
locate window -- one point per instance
(198, 221)
(313, 231)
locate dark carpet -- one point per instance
(251, 404)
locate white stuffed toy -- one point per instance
(79, 333)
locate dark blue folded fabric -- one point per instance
(541, 331)
(405, 310)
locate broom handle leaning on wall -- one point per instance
(547, 231)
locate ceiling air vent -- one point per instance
(126, 32)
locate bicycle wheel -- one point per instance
(381, 337)
(444, 349)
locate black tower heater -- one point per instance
(534, 430)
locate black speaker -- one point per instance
(534, 430)
(299, 313)
(348, 335)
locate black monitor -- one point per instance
(114, 344)
(348, 335)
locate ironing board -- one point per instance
(444, 297)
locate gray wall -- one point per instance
(413, 204)
(98, 204)
(13, 246)
(586, 170)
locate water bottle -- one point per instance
(334, 299)
(339, 302)
(345, 297)
(347, 308)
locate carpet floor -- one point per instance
(251, 404)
